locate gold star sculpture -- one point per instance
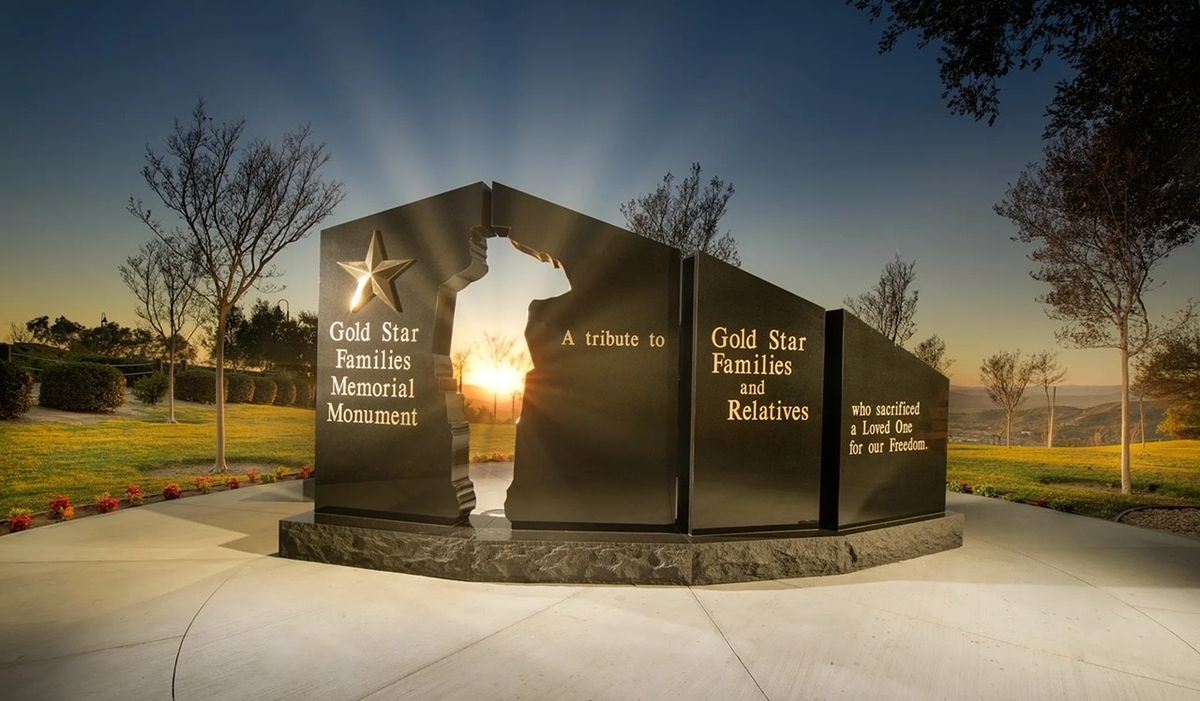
(375, 276)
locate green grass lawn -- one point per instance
(41, 460)
(1082, 480)
(489, 439)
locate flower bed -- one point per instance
(61, 509)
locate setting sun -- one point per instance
(501, 379)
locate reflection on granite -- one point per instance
(492, 551)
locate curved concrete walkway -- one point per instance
(184, 599)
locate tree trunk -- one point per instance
(1008, 429)
(1126, 475)
(171, 384)
(1142, 418)
(494, 405)
(1053, 401)
(219, 462)
(1049, 444)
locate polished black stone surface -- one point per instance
(597, 444)
(391, 438)
(755, 404)
(886, 415)
(671, 400)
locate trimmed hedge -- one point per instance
(82, 387)
(264, 390)
(285, 390)
(16, 390)
(198, 386)
(304, 392)
(239, 388)
(151, 388)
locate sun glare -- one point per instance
(504, 380)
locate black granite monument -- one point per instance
(391, 434)
(684, 421)
(886, 414)
(597, 442)
(755, 401)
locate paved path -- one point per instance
(185, 598)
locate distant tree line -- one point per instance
(106, 338)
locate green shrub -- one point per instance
(16, 390)
(239, 388)
(477, 413)
(285, 391)
(264, 391)
(82, 387)
(1182, 421)
(198, 386)
(304, 392)
(151, 388)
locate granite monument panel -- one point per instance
(597, 445)
(886, 416)
(756, 377)
(665, 395)
(391, 434)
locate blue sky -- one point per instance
(840, 157)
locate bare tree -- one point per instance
(498, 349)
(932, 351)
(459, 360)
(684, 216)
(1046, 373)
(1005, 378)
(1137, 390)
(522, 364)
(17, 333)
(236, 208)
(165, 287)
(889, 306)
(1103, 210)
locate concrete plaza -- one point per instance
(186, 600)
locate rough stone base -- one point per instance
(497, 554)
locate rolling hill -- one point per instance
(1092, 424)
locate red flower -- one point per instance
(61, 508)
(20, 522)
(232, 483)
(306, 472)
(172, 491)
(134, 495)
(106, 503)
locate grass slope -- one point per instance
(1073, 426)
(1082, 480)
(41, 460)
(488, 439)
